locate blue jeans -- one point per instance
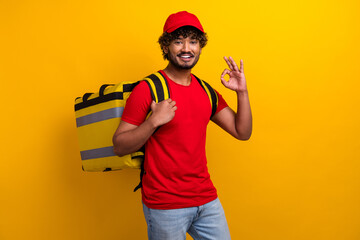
(206, 222)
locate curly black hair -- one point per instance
(166, 38)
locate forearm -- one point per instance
(243, 118)
(130, 141)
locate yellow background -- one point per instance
(298, 176)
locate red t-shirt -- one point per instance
(176, 174)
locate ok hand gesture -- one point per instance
(237, 80)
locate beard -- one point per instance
(183, 66)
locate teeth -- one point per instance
(185, 56)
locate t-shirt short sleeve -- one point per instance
(137, 105)
(221, 103)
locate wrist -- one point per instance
(242, 92)
(153, 122)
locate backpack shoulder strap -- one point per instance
(158, 87)
(159, 91)
(213, 97)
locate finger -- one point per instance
(226, 71)
(241, 66)
(169, 100)
(233, 63)
(224, 82)
(229, 64)
(173, 103)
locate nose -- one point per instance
(186, 46)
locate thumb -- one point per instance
(224, 82)
(153, 104)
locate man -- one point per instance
(177, 193)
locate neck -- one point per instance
(180, 76)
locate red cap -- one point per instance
(180, 19)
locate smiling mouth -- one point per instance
(185, 56)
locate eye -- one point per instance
(193, 41)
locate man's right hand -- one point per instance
(129, 138)
(162, 112)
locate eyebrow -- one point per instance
(192, 37)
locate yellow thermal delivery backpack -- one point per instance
(98, 116)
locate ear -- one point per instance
(166, 49)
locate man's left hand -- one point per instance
(237, 81)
